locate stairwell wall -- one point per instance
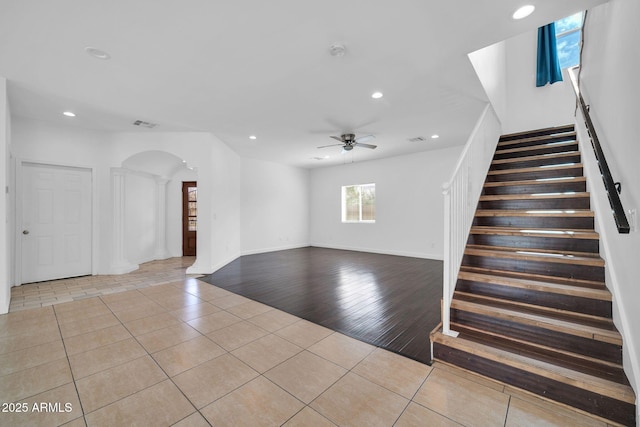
(610, 86)
(5, 217)
(507, 71)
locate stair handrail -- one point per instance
(461, 196)
(610, 186)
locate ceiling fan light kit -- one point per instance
(348, 141)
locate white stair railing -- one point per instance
(461, 195)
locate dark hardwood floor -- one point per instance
(389, 301)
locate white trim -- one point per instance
(119, 263)
(423, 255)
(197, 268)
(273, 249)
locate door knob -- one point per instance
(25, 231)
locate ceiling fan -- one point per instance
(349, 140)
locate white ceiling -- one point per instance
(252, 67)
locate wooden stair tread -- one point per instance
(530, 299)
(534, 169)
(542, 286)
(536, 157)
(458, 327)
(565, 233)
(537, 147)
(555, 313)
(597, 385)
(534, 181)
(550, 131)
(592, 332)
(592, 284)
(542, 255)
(540, 196)
(536, 212)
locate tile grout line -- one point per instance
(73, 379)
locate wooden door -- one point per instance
(56, 222)
(189, 217)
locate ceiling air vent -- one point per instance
(418, 139)
(145, 124)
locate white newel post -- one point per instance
(119, 262)
(447, 279)
(161, 209)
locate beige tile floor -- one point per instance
(176, 351)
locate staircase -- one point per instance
(530, 303)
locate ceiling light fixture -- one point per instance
(69, 114)
(253, 137)
(435, 136)
(523, 12)
(97, 53)
(377, 95)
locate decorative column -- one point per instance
(119, 262)
(161, 209)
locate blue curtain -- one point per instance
(548, 69)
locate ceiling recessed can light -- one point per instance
(253, 137)
(97, 53)
(435, 136)
(69, 114)
(523, 12)
(377, 95)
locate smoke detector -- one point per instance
(337, 49)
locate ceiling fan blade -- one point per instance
(364, 138)
(366, 145)
(330, 145)
(336, 138)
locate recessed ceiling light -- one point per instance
(253, 137)
(377, 95)
(97, 53)
(523, 12)
(435, 136)
(69, 114)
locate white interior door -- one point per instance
(56, 222)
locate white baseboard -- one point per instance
(424, 255)
(274, 249)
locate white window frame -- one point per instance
(564, 34)
(344, 204)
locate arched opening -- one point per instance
(148, 208)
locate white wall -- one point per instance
(141, 217)
(218, 175)
(610, 86)
(275, 206)
(507, 71)
(5, 205)
(409, 207)
(40, 142)
(218, 180)
(490, 64)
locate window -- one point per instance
(359, 203)
(192, 210)
(568, 40)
